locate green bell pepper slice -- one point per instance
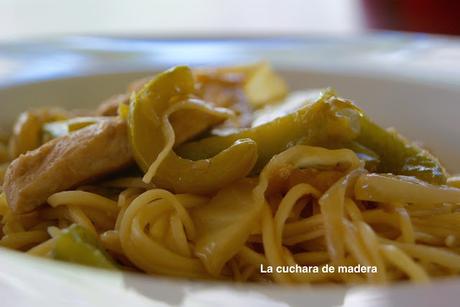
(147, 111)
(78, 245)
(331, 122)
(320, 122)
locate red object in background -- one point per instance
(430, 16)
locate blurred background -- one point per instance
(23, 19)
(47, 39)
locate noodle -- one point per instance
(21, 239)
(146, 253)
(404, 263)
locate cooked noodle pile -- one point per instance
(308, 206)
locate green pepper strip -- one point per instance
(77, 245)
(371, 158)
(399, 156)
(323, 122)
(330, 122)
(146, 123)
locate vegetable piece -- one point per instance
(27, 129)
(186, 129)
(295, 101)
(264, 86)
(321, 121)
(110, 106)
(123, 111)
(331, 122)
(26, 134)
(225, 223)
(371, 158)
(398, 155)
(151, 135)
(207, 175)
(77, 245)
(147, 108)
(260, 84)
(63, 127)
(389, 188)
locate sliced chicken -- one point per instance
(65, 162)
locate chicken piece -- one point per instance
(65, 162)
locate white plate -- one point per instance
(402, 81)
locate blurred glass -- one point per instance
(429, 16)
